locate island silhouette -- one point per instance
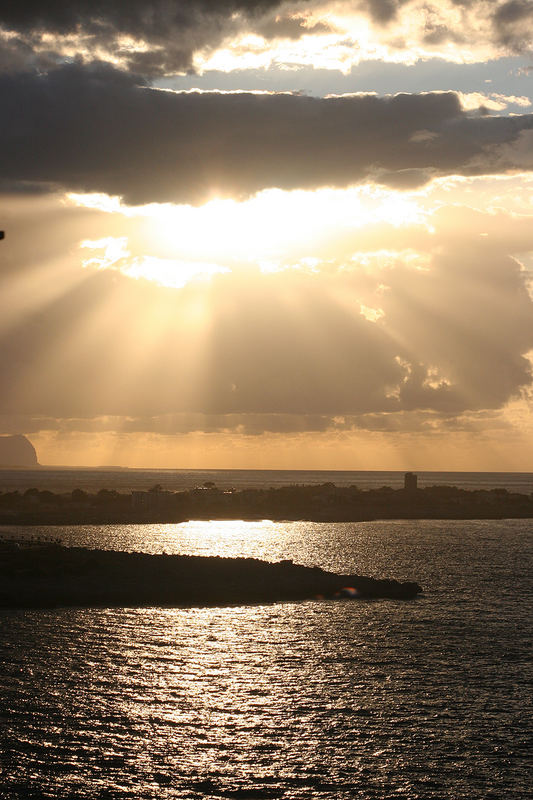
(17, 451)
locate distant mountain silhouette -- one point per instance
(17, 451)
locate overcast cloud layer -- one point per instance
(93, 129)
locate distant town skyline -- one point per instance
(277, 235)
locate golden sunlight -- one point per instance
(176, 244)
(347, 36)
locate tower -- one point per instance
(410, 482)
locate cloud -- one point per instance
(155, 38)
(166, 37)
(172, 425)
(290, 27)
(382, 11)
(288, 351)
(97, 130)
(513, 24)
(453, 21)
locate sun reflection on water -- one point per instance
(287, 700)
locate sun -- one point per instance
(174, 245)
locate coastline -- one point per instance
(45, 575)
(314, 503)
(60, 520)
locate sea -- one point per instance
(424, 699)
(65, 479)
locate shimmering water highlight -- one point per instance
(423, 699)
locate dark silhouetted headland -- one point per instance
(46, 574)
(17, 451)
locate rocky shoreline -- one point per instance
(50, 575)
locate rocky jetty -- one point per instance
(49, 575)
(17, 451)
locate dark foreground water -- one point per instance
(423, 699)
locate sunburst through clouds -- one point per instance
(226, 237)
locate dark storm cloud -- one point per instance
(136, 17)
(171, 30)
(96, 129)
(162, 37)
(513, 24)
(513, 11)
(382, 11)
(17, 55)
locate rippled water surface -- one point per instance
(421, 699)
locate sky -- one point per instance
(261, 234)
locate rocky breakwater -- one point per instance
(48, 575)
